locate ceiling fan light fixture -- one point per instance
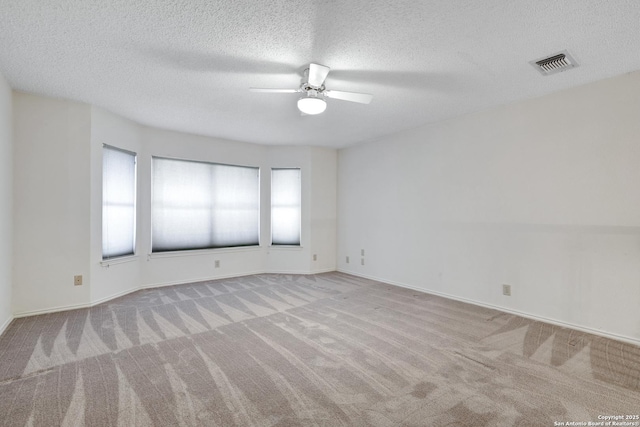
(311, 105)
(314, 92)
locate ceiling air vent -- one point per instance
(561, 61)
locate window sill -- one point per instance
(202, 252)
(285, 247)
(121, 260)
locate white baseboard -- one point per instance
(299, 272)
(74, 306)
(560, 323)
(5, 325)
(114, 296)
(201, 279)
(230, 276)
(149, 286)
(320, 271)
(50, 310)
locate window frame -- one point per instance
(271, 206)
(133, 253)
(199, 250)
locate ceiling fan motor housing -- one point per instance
(314, 93)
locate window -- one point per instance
(286, 202)
(197, 205)
(118, 202)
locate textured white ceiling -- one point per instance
(187, 64)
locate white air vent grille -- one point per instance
(561, 61)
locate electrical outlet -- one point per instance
(315, 257)
(347, 261)
(77, 280)
(362, 261)
(362, 252)
(216, 263)
(506, 290)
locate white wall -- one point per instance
(317, 166)
(58, 207)
(112, 279)
(6, 203)
(323, 209)
(542, 195)
(51, 202)
(319, 214)
(282, 258)
(169, 268)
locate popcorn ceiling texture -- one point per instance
(187, 65)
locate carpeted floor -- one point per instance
(330, 349)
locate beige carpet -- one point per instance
(281, 350)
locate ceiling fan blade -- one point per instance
(317, 74)
(269, 90)
(362, 98)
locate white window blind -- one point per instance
(118, 202)
(199, 205)
(286, 206)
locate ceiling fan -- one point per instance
(314, 92)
